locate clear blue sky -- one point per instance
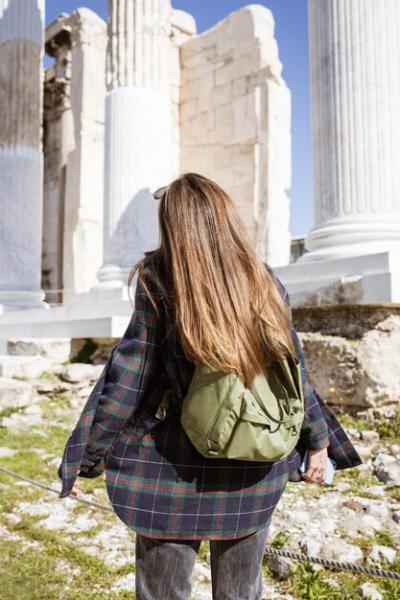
(291, 33)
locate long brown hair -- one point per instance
(228, 311)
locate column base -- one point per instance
(363, 279)
(346, 238)
(107, 291)
(13, 300)
(112, 276)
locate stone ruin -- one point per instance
(126, 111)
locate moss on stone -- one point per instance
(48, 376)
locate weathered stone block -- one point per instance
(360, 372)
(229, 69)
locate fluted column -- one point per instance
(355, 93)
(138, 131)
(21, 161)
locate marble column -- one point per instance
(138, 131)
(353, 250)
(21, 161)
(355, 93)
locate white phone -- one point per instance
(330, 467)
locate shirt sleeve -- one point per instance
(314, 429)
(135, 360)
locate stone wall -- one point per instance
(352, 353)
(235, 122)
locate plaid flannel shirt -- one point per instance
(158, 484)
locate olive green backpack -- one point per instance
(224, 419)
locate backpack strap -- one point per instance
(263, 407)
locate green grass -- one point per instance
(53, 440)
(48, 376)
(309, 584)
(28, 573)
(365, 542)
(58, 401)
(384, 537)
(204, 548)
(349, 422)
(388, 429)
(32, 573)
(390, 589)
(394, 493)
(28, 463)
(279, 540)
(359, 481)
(11, 410)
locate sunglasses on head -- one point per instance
(160, 192)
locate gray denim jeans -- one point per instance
(164, 567)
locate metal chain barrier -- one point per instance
(334, 564)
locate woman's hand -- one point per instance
(316, 466)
